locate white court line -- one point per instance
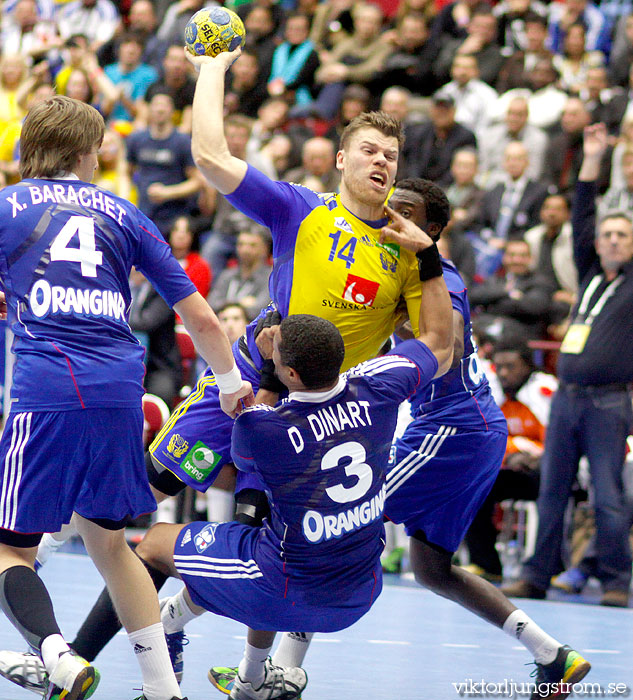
(326, 641)
(462, 646)
(519, 648)
(239, 636)
(389, 641)
(602, 651)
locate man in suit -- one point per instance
(430, 147)
(513, 205)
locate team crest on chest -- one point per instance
(388, 263)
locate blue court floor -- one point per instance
(411, 646)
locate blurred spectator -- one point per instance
(162, 166)
(358, 59)
(260, 35)
(152, 321)
(396, 101)
(95, 19)
(45, 8)
(527, 398)
(172, 28)
(131, 77)
(355, 100)
(113, 173)
(620, 104)
(233, 319)
(513, 17)
(575, 60)
(545, 100)
(564, 150)
(603, 103)
(519, 294)
(99, 92)
(318, 167)
(295, 63)
(520, 62)
(480, 42)
(562, 15)
(429, 149)
(452, 20)
(332, 22)
(184, 246)
(24, 32)
(624, 142)
(13, 73)
(141, 20)
(272, 120)
(620, 198)
(472, 96)
(410, 65)
(177, 82)
(551, 250)
(247, 283)
(591, 412)
(245, 90)
(513, 205)
(515, 127)
(277, 11)
(622, 54)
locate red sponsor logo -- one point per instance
(360, 291)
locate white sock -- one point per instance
(292, 649)
(543, 647)
(176, 613)
(51, 648)
(251, 666)
(150, 648)
(49, 544)
(220, 505)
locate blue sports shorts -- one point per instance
(439, 476)
(218, 564)
(55, 462)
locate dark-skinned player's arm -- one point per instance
(436, 309)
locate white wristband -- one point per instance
(229, 382)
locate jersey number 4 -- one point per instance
(87, 253)
(357, 468)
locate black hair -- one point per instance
(313, 347)
(438, 209)
(518, 345)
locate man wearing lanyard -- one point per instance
(591, 412)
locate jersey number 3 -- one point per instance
(87, 253)
(357, 468)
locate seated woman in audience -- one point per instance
(575, 60)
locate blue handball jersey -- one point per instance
(462, 396)
(322, 458)
(66, 249)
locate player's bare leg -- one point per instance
(136, 603)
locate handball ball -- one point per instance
(213, 30)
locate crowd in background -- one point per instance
(494, 98)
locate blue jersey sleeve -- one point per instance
(247, 424)
(278, 205)
(156, 261)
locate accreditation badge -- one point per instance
(575, 339)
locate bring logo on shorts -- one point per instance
(200, 461)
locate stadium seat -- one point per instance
(187, 358)
(155, 414)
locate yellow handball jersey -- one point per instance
(329, 263)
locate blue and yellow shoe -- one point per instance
(571, 581)
(554, 681)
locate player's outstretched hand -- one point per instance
(3, 306)
(265, 332)
(404, 232)
(233, 404)
(225, 58)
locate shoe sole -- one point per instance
(575, 673)
(84, 686)
(227, 691)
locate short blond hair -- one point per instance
(381, 121)
(55, 133)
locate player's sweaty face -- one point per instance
(369, 165)
(409, 205)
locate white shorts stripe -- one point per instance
(13, 463)
(216, 574)
(407, 468)
(211, 567)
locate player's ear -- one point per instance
(340, 156)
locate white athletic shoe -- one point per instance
(279, 684)
(24, 669)
(73, 678)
